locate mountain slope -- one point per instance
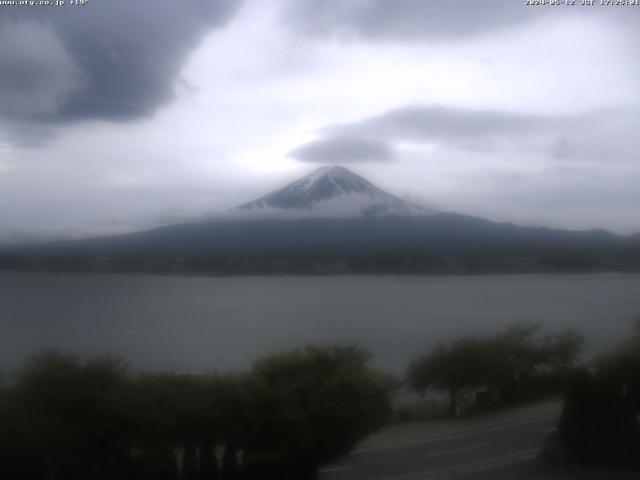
(329, 192)
(382, 234)
(438, 234)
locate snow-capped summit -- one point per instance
(332, 191)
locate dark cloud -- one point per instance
(604, 135)
(36, 71)
(458, 127)
(406, 19)
(344, 150)
(25, 134)
(429, 123)
(115, 59)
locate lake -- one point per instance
(201, 323)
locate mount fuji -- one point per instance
(330, 192)
(333, 221)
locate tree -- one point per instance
(575, 425)
(508, 363)
(600, 418)
(70, 417)
(461, 364)
(309, 407)
(522, 356)
(191, 412)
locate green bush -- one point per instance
(513, 365)
(67, 418)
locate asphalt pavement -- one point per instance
(472, 453)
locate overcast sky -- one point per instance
(120, 115)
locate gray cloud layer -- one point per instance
(406, 19)
(344, 150)
(602, 135)
(221, 146)
(453, 127)
(115, 59)
(36, 71)
(417, 122)
(477, 130)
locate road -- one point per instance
(471, 453)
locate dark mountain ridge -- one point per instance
(437, 242)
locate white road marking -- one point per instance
(549, 430)
(467, 468)
(457, 435)
(456, 450)
(334, 469)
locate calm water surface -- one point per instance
(199, 323)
